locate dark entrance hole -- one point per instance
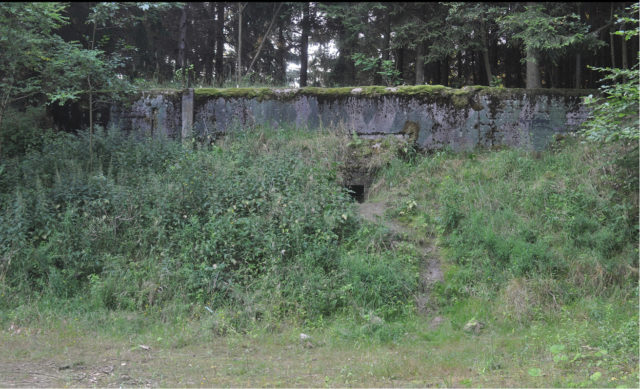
(357, 192)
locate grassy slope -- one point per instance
(530, 247)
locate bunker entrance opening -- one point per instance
(357, 192)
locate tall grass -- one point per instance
(559, 224)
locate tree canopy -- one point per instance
(58, 52)
(332, 44)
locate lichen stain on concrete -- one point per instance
(153, 114)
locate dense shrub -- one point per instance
(23, 129)
(254, 223)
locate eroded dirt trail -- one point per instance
(430, 271)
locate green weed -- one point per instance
(256, 221)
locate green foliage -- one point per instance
(497, 82)
(38, 62)
(631, 17)
(28, 45)
(23, 130)
(385, 68)
(38, 65)
(152, 224)
(548, 29)
(507, 216)
(471, 21)
(181, 75)
(76, 71)
(614, 116)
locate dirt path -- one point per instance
(430, 272)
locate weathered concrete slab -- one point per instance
(187, 114)
(456, 118)
(155, 114)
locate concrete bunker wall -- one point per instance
(460, 119)
(156, 114)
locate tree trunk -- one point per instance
(460, 70)
(239, 53)
(304, 45)
(90, 124)
(611, 42)
(612, 49)
(625, 58)
(512, 67)
(196, 61)
(157, 75)
(220, 44)
(435, 73)
(266, 36)
(386, 49)
(210, 44)
(93, 41)
(533, 64)
(3, 108)
(151, 44)
(476, 69)
(485, 53)
(401, 52)
(444, 72)
(420, 64)
(578, 71)
(281, 63)
(377, 77)
(208, 68)
(519, 71)
(344, 73)
(545, 74)
(554, 75)
(386, 44)
(182, 42)
(533, 69)
(494, 55)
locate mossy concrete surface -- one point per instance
(459, 119)
(155, 113)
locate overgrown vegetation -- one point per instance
(540, 218)
(532, 240)
(257, 222)
(239, 249)
(252, 238)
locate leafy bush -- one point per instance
(384, 68)
(23, 130)
(615, 116)
(255, 223)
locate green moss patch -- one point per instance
(248, 93)
(460, 98)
